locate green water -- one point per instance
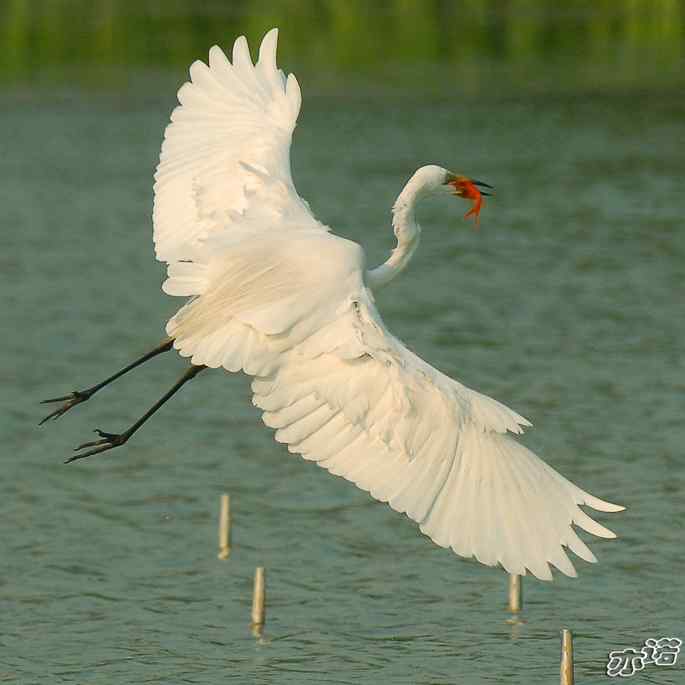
(567, 305)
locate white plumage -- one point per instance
(274, 294)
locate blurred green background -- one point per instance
(477, 45)
(567, 306)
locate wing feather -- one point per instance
(233, 120)
(465, 480)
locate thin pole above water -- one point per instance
(566, 669)
(515, 593)
(225, 527)
(259, 602)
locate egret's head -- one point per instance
(434, 180)
(469, 189)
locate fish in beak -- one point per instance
(469, 189)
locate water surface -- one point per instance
(566, 305)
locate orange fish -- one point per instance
(467, 188)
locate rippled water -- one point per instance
(567, 305)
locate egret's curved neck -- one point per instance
(407, 231)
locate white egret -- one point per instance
(273, 293)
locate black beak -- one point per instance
(482, 184)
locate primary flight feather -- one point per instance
(273, 293)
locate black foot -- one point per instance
(70, 401)
(109, 441)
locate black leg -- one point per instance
(79, 396)
(111, 440)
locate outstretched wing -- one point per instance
(353, 399)
(277, 296)
(227, 146)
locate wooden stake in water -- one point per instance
(515, 594)
(225, 527)
(566, 669)
(258, 602)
